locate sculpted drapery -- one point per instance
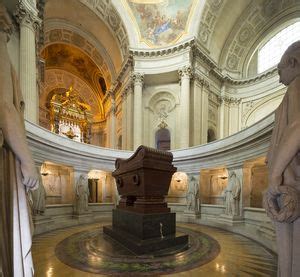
(19, 173)
(282, 200)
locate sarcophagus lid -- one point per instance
(147, 172)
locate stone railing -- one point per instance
(230, 152)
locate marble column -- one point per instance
(124, 119)
(138, 79)
(129, 118)
(112, 129)
(184, 129)
(29, 21)
(200, 105)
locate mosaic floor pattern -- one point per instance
(82, 251)
(94, 252)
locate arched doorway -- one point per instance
(211, 135)
(163, 139)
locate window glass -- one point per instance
(269, 55)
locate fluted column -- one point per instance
(112, 129)
(28, 20)
(185, 75)
(124, 119)
(137, 109)
(129, 118)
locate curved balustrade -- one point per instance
(230, 152)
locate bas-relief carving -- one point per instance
(208, 19)
(161, 22)
(282, 200)
(178, 188)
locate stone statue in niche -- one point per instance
(20, 174)
(39, 199)
(232, 195)
(82, 194)
(192, 195)
(282, 200)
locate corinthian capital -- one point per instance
(137, 77)
(185, 71)
(6, 25)
(28, 17)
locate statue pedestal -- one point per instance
(191, 215)
(231, 219)
(85, 217)
(145, 233)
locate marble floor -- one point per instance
(228, 254)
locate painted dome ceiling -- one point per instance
(160, 22)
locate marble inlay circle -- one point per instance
(94, 252)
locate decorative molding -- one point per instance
(211, 11)
(150, 53)
(185, 72)
(137, 78)
(201, 80)
(25, 16)
(108, 14)
(229, 100)
(70, 35)
(250, 26)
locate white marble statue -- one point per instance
(39, 199)
(232, 195)
(21, 175)
(192, 195)
(82, 194)
(282, 200)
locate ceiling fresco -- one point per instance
(71, 59)
(161, 22)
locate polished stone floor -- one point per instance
(82, 251)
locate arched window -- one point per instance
(162, 139)
(211, 135)
(269, 55)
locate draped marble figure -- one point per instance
(282, 200)
(82, 194)
(232, 195)
(39, 199)
(19, 171)
(192, 196)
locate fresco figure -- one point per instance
(192, 196)
(82, 194)
(232, 195)
(20, 174)
(282, 200)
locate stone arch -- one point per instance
(254, 22)
(106, 11)
(260, 109)
(60, 79)
(71, 36)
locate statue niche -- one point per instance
(142, 220)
